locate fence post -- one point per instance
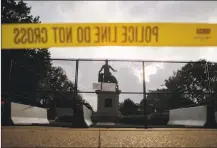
(208, 84)
(211, 98)
(144, 95)
(9, 80)
(76, 86)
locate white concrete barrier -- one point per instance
(20, 114)
(27, 115)
(192, 116)
(198, 116)
(87, 113)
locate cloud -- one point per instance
(128, 75)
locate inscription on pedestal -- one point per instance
(108, 102)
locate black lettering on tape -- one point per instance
(97, 34)
(155, 33)
(23, 36)
(16, 36)
(43, 35)
(79, 34)
(37, 35)
(148, 34)
(30, 35)
(131, 34)
(104, 34)
(135, 32)
(115, 35)
(61, 35)
(124, 34)
(203, 31)
(55, 34)
(83, 34)
(69, 35)
(142, 34)
(87, 34)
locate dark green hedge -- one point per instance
(154, 119)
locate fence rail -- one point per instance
(144, 92)
(125, 60)
(125, 92)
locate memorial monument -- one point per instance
(107, 91)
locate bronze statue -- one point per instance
(107, 76)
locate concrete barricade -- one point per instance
(199, 116)
(27, 115)
(20, 114)
(80, 119)
(87, 113)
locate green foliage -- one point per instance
(16, 12)
(22, 65)
(188, 86)
(128, 107)
(26, 70)
(157, 101)
(191, 83)
(153, 119)
(133, 119)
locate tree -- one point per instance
(188, 86)
(157, 101)
(128, 107)
(57, 87)
(25, 70)
(19, 63)
(194, 82)
(58, 81)
(17, 12)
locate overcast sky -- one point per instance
(129, 75)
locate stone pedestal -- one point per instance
(107, 106)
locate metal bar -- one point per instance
(12, 94)
(9, 78)
(76, 86)
(191, 105)
(84, 91)
(89, 92)
(24, 99)
(212, 101)
(156, 93)
(76, 76)
(125, 60)
(147, 93)
(26, 68)
(144, 94)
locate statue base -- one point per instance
(98, 117)
(107, 106)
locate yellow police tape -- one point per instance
(18, 36)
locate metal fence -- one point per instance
(76, 92)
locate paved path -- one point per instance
(23, 136)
